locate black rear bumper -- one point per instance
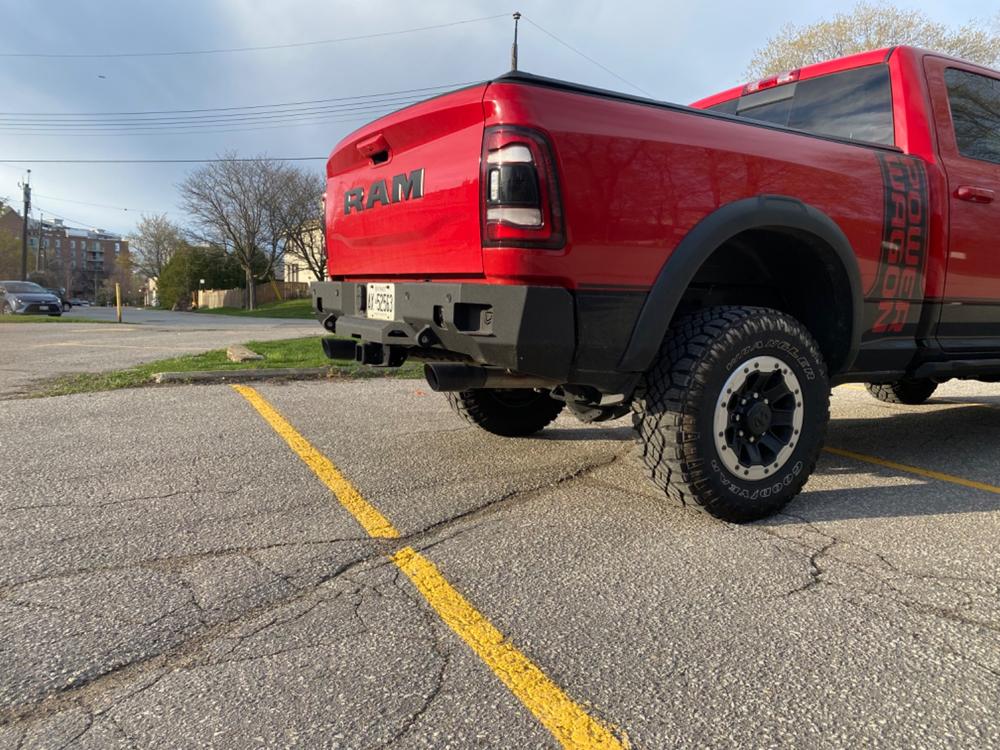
(544, 331)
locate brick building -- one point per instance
(75, 258)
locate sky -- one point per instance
(676, 51)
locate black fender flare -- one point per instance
(759, 212)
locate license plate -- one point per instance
(381, 301)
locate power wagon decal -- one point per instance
(899, 281)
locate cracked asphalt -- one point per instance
(174, 576)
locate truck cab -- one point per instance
(946, 113)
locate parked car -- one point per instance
(78, 302)
(61, 294)
(27, 298)
(711, 269)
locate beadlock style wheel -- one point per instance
(732, 412)
(758, 418)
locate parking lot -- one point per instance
(32, 351)
(346, 564)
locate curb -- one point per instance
(221, 376)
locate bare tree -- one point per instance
(233, 204)
(302, 223)
(871, 26)
(153, 243)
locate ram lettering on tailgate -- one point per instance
(403, 187)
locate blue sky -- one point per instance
(678, 51)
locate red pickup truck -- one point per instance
(713, 269)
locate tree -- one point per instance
(183, 273)
(10, 256)
(303, 221)
(240, 206)
(871, 26)
(153, 243)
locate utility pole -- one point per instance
(513, 49)
(24, 231)
(39, 257)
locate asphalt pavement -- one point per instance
(188, 567)
(30, 351)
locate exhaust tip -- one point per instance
(339, 348)
(432, 379)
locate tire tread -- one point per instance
(668, 398)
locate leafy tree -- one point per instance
(10, 256)
(181, 275)
(871, 26)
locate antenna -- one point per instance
(513, 49)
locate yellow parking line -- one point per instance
(568, 722)
(928, 473)
(564, 718)
(364, 512)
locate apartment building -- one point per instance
(76, 258)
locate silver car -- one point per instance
(26, 298)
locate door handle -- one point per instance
(974, 194)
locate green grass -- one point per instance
(47, 319)
(289, 308)
(302, 352)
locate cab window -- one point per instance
(975, 113)
(854, 104)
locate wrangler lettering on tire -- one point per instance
(732, 413)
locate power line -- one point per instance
(383, 94)
(299, 122)
(207, 120)
(95, 205)
(587, 57)
(303, 122)
(54, 215)
(178, 53)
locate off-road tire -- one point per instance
(674, 409)
(508, 412)
(907, 391)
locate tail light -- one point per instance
(520, 194)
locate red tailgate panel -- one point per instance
(436, 234)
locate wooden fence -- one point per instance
(279, 290)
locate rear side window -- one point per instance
(975, 113)
(855, 104)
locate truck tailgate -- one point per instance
(402, 193)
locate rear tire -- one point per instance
(508, 412)
(732, 414)
(907, 391)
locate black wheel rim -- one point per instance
(758, 418)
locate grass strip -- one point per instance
(48, 319)
(289, 308)
(283, 353)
